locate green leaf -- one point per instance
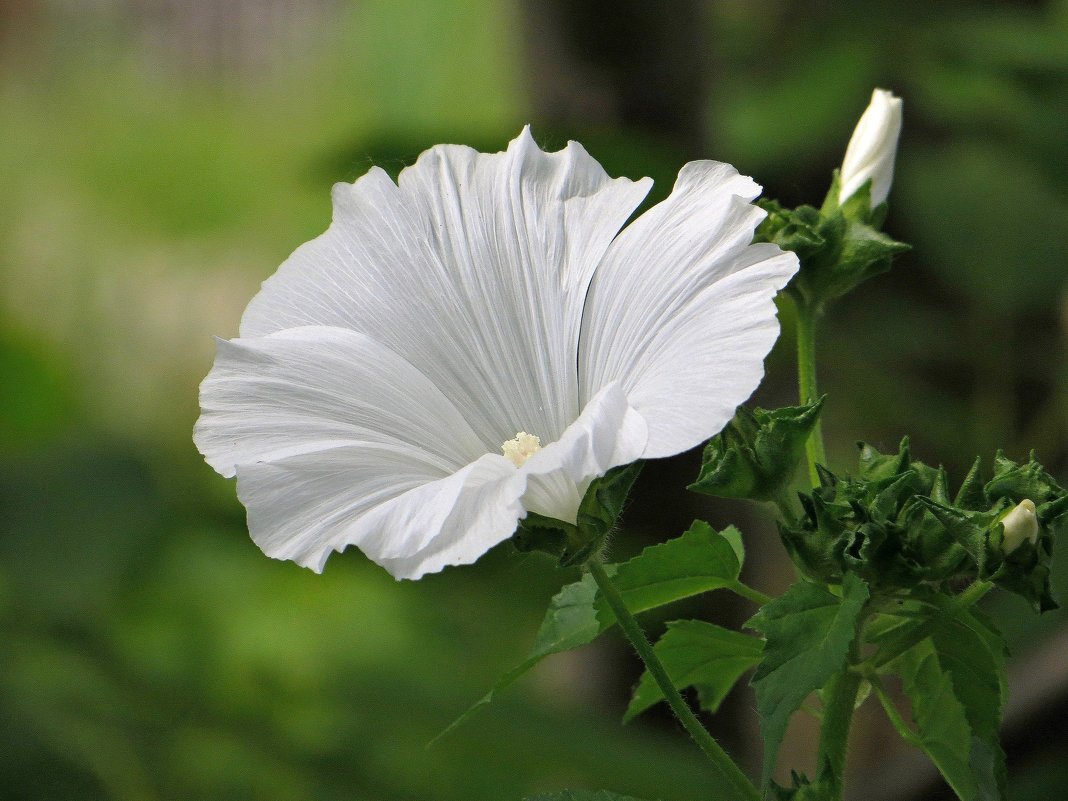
(702, 655)
(944, 733)
(952, 662)
(581, 795)
(698, 561)
(808, 632)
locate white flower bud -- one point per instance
(871, 151)
(1020, 524)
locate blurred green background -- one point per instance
(159, 159)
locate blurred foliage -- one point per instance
(148, 650)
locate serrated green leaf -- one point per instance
(808, 632)
(952, 661)
(698, 561)
(581, 795)
(701, 655)
(943, 730)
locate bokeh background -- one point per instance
(158, 159)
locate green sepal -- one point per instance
(971, 495)
(756, 455)
(573, 543)
(839, 246)
(1019, 481)
(1026, 571)
(791, 229)
(801, 789)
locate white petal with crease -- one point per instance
(681, 311)
(474, 269)
(315, 388)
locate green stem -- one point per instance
(840, 699)
(972, 594)
(750, 594)
(890, 708)
(806, 379)
(724, 765)
(786, 508)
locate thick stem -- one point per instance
(786, 508)
(840, 698)
(806, 379)
(724, 765)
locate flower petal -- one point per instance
(317, 388)
(608, 433)
(304, 507)
(474, 269)
(681, 312)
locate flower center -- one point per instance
(518, 450)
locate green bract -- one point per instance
(895, 525)
(839, 246)
(756, 455)
(572, 543)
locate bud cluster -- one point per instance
(895, 525)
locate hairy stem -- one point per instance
(840, 697)
(750, 594)
(723, 764)
(806, 379)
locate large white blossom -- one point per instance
(480, 340)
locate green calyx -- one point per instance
(574, 543)
(895, 525)
(839, 246)
(756, 455)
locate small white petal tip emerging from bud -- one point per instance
(872, 149)
(1020, 524)
(518, 450)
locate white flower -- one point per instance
(1021, 524)
(381, 376)
(872, 148)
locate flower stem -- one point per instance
(786, 508)
(724, 765)
(840, 698)
(806, 379)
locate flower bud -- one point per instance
(1020, 524)
(871, 150)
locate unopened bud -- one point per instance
(871, 151)
(1021, 523)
